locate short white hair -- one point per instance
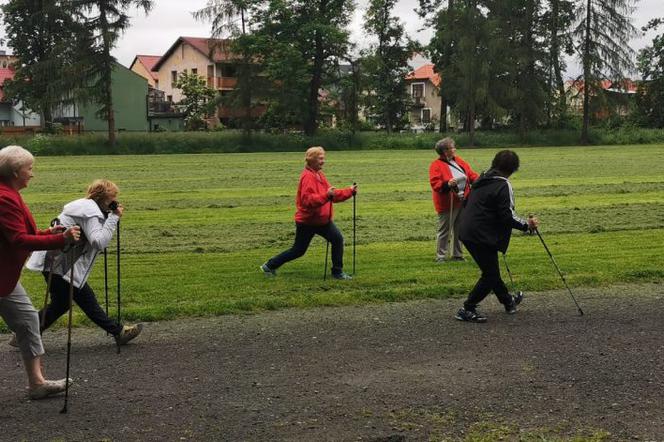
(12, 158)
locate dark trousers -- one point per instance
(86, 300)
(490, 280)
(303, 237)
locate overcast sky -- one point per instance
(170, 19)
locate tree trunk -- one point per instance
(586, 76)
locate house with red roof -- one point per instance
(423, 86)
(616, 97)
(143, 65)
(13, 114)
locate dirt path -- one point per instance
(390, 372)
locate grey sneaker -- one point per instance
(458, 258)
(516, 300)
(268, 271)
(342, 276)
(469, 316)
(48, 388)
(128, 333)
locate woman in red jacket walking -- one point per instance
(314, 215)
(450, 178)
(18, 237)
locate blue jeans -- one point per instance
(303, 236)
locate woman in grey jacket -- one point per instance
(98, 223)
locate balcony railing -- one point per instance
(418, 102)
(222, 82)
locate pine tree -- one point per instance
(387, 64)
(602, 37)
(106, 20)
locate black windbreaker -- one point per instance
(489, 217)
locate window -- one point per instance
(169, 98)
(194, 71)
(174, 78)
(228, 70)
(426, 115)
(156, 84)
(417, 90)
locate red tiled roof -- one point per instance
(148, 61)
(425, 72)
(626, 85)
(5, 74)
(221, 49)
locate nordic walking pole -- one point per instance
(106, 278)
(327, 246)
(450, 239)
(118, 275)
(71, 307)
(509, 273)
(558, 269)
(49, 280)
(354, 225)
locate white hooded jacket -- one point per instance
(96, 234)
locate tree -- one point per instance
(106, 20)
(299, 43)
(558, 20)
(387, 64)
(650, 94)
(602, 35)
(197, 100)
(245, 98)
(47, 71)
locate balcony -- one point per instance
(222, 82)
(418, 102)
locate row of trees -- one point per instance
(500, 60)
(63, 49)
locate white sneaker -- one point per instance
(48, 388)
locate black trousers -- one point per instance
(86, 300)
(303, 236)
(490, 280)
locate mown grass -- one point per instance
(197, 227)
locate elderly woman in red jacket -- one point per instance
(450, 178)
(314, 215)
(18, 237)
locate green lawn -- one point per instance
(197, 227)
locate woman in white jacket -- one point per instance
(98, 223)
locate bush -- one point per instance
(235, 141)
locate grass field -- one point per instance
(196, 227)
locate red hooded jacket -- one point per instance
(18, 237)
(314, 207)
(439, 176)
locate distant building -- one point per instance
(13, 114)
(618, 96)
(424, 88)
(143, 65)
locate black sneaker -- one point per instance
(516, 300)
(268, 271)
(469, 316)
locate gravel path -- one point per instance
(390, 372)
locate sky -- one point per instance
(170, 19)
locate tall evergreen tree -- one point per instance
(650, 94)
(387, 64)
(106, 20)
(602, 36)
(558, 19)
(48, 73)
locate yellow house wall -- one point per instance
(143, 72)
(431, 100)
(183, 57)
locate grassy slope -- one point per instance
(197, 226)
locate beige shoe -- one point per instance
(13, 341)
(128, 333)
(48, 388)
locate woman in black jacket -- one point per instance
(486, 228)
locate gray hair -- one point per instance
(12, 158)
(444, 144)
